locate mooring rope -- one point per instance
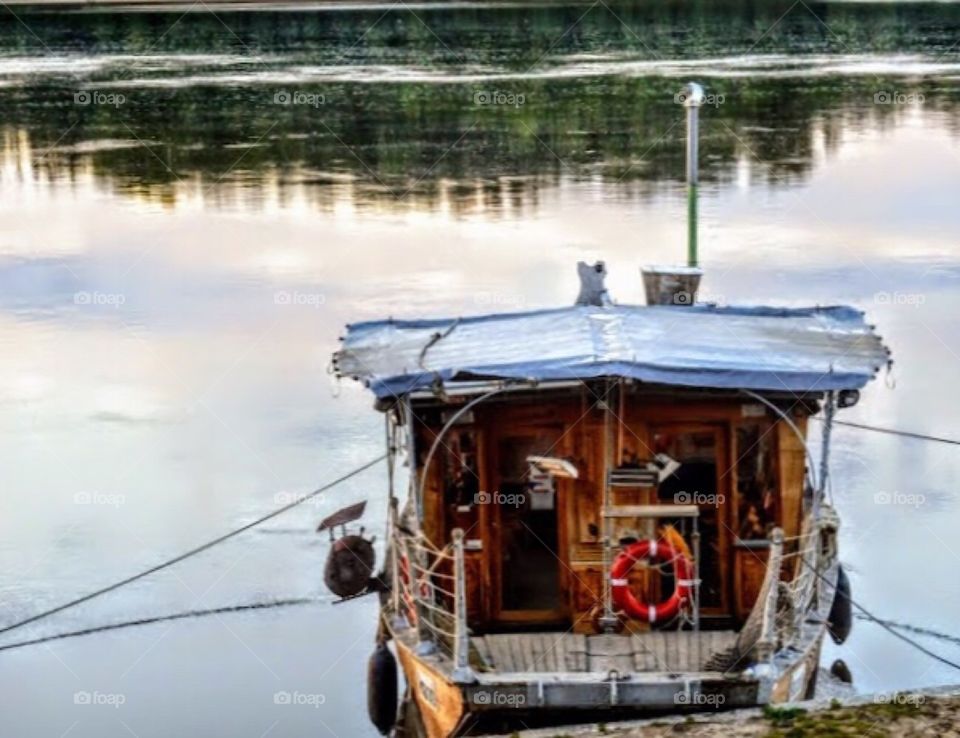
(915, 629)
(886, 625)
(895, 432)
(891, 626)
(163, 618)
(192, 552)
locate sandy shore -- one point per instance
(928, 713)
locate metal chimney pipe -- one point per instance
(693, 97)
(678, 285)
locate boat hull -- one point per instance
(508, 702)
(439, 702)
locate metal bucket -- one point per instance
(671, 285)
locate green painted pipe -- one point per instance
(692, 224)
(692, 101)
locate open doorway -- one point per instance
(698, 482)
(526, 529)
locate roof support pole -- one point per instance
(391, 442)
(608, 620)
(393, 512)
(412, 458)
(829, 410)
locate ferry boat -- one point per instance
(612, 512)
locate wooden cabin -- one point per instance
(535, 558)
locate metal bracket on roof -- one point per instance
(436, 337)
(437, 386)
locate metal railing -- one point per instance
(790, 588)
(431, 596)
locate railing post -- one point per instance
(829, 410)
(695, 539)
(399, 620)
(461, 639)
(767, 643)
(608, 621)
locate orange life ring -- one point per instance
(661, 552)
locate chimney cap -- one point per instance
(592, 289)
(692, 95)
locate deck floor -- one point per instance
(673, 651)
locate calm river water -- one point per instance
(193, 205)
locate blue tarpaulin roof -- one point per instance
(756, 348)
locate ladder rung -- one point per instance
(652, 511)
(632, 478)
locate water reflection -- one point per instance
(411, 110)
(628, 135)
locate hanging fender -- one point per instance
(659, 552)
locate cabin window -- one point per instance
(757, 484)
(461, 479)
(461, 482)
